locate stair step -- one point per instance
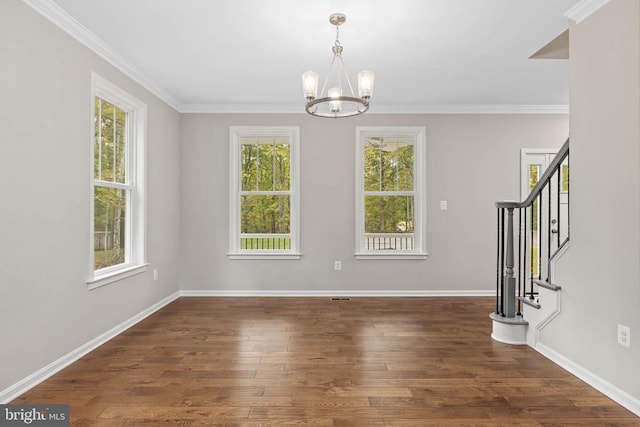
(517, 320)
(547, 285)
(530, 302)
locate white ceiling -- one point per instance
(248, 55)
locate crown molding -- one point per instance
(470, 109)
(584, 9)
(75, 29)
(243, 108)
(377, 109)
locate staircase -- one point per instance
(526, 297)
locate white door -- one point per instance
(533, 163)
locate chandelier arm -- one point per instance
(338, 74)
(346, 73)
(326, 80)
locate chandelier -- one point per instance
(339, 100)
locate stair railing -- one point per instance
(543, 229)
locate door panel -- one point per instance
(533, 163)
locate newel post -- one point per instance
(508, 327)
(509, 294)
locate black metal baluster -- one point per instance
(548, 185)
(524, 253)
(539, 237)
(531, 258)
(568, 193)
(558, 234)
(519, 265)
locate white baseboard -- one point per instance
(604, 387)
(328, 294)
(56, 366)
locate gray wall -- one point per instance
(472, 161)
(46, 310)
(600, 274)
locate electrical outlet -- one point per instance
(443, 205)
(337, 265)
(624, 336)
(155, 274)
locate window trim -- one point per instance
(236, 133)
(135, 244)
(418, 133)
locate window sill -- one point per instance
(289, 255)
(105, 279)
(391, 256)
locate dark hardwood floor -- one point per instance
(317, 362)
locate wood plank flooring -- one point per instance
(316, 362)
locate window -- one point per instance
(117, 184)
(264, 203)
(390, 187)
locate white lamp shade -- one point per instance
(365, 83)
(310, 84)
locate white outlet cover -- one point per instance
(624, 336)
(443, 205)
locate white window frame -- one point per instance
(418, 133)
(236, 133)
(135, 228)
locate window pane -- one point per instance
(565, 178)
(388, 164)
(120, 143)
(389, 214)
(110, 209)
(97, 138)
(265, 164)
(264, 215)
(534, 171)
(281, 167)
(372, 164)
(389, 223)
(405, 165)
(109, 142)
(248, 164)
